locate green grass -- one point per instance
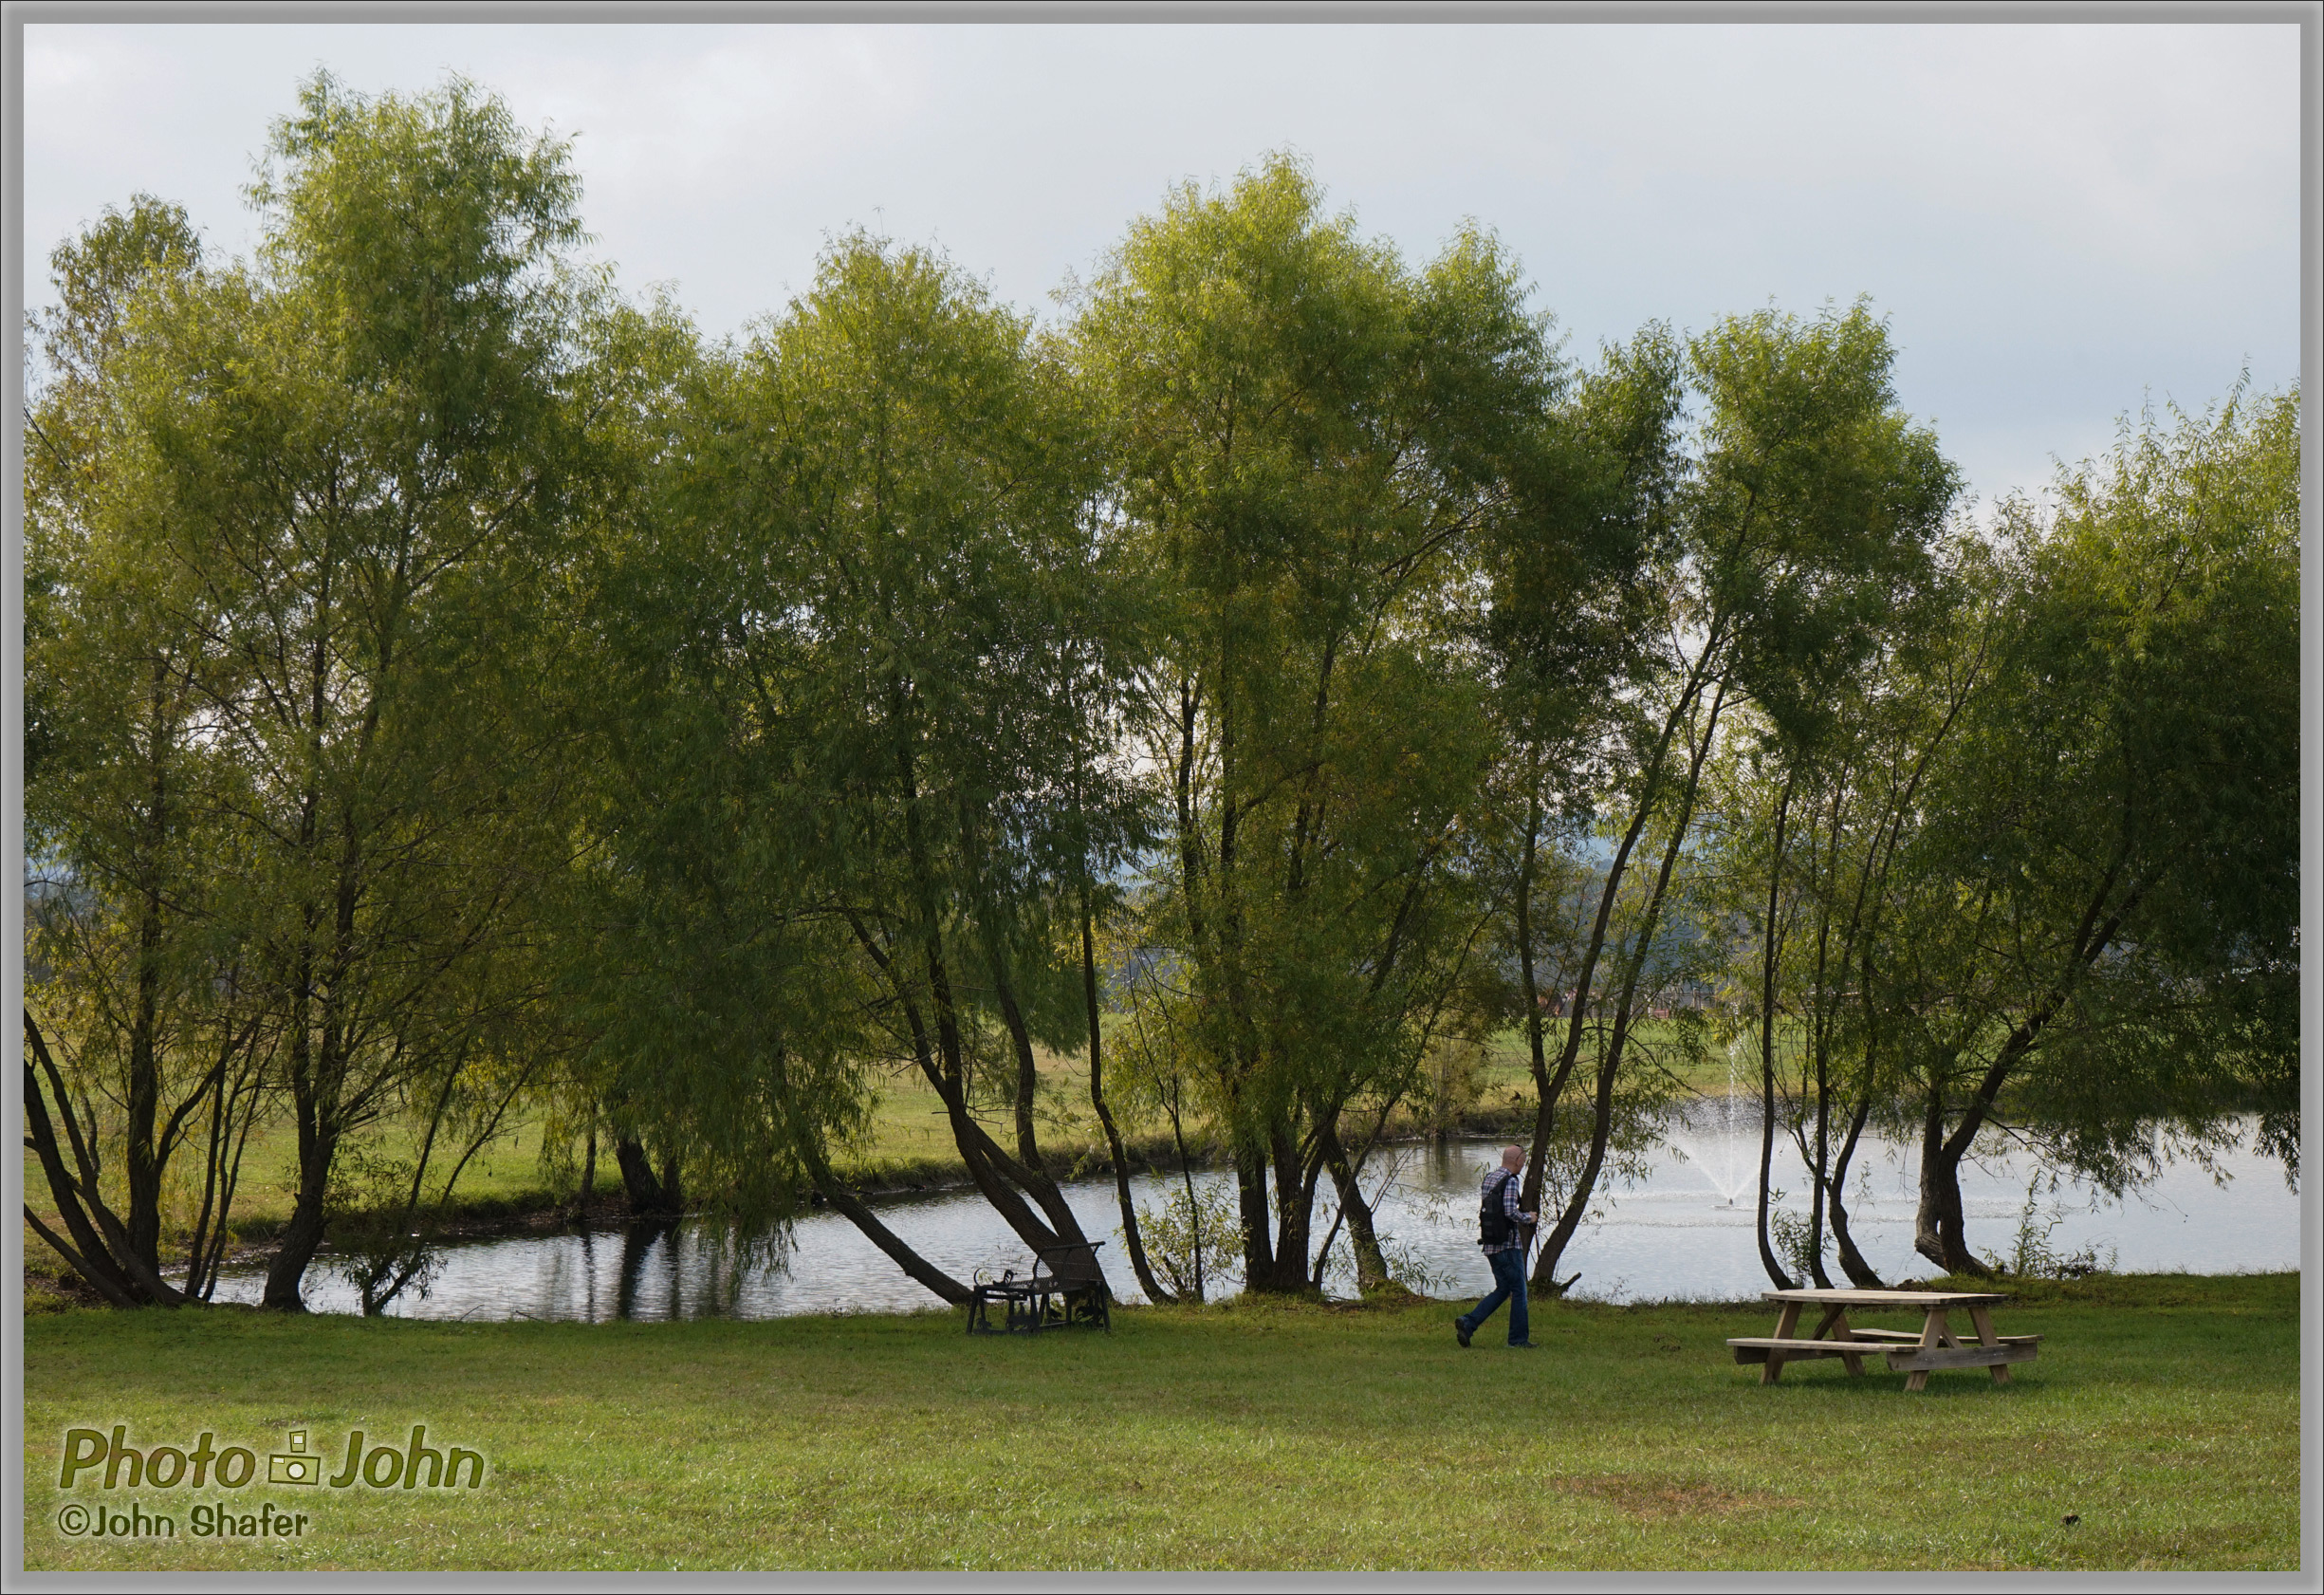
(2164, 1411)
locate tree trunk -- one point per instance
(1155, 1292)
(1004, 1180)
(318, 1077)
(1941, 1214)
(248, 1092)
(197, 1245)
(143, 1158)
(1938, 1233)
(1767, 1132)
(1031, 1171)
(318, 1143)
(1295, 1195)
(1258, 1223)
(1822, 1006)
(1370, 1266)
(300, 1238)
(1819, 1192)
(648, 1197)
(1770, 942)
(90, 1254)
(1612, 1061)
(1602, 1127)
(217, 1182)
(1859, 1272)
(864, 1219)
(1584, 979)
(1186, 1175)
(1545, 1113)
(1578, 1205)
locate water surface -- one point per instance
(1671, 1234)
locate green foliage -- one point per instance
(323, 504)
(2031, 1255)
(2144, 722)
(1815, 504)
(138, 925)
(1195, 1239)
(374, 1252)
(856, 632)
(2101, 917)
(1305, 438)
(1796, 1238)
(2040, 847)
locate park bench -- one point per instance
(1914, 1355)
(1067, 1290)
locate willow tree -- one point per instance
(1811, 500)
(348, 453)
(860, 642)
(1307, 437)
(1564, 636)
(1808, 824)
(2097, 927)
(147, 1026)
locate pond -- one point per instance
(1682, 1230)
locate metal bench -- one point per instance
(1067, 1290)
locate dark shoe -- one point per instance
(1521, 1345)
(1460, 1327)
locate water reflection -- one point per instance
(1670, 1234)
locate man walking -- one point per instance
(1505, 1234)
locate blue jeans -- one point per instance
(1508, 1285)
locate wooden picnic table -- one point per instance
(1935, 1346)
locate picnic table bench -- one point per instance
(1915, 1356)
(1065, 1289)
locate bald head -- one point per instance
(1512, 1158)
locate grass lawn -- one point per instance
(2164, 1411)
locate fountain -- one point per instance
(1731, 1170)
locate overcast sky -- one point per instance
(2057, 220)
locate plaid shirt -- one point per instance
(1508, 1205)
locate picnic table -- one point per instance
(1935, 1346)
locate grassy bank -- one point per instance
(2163, 1413)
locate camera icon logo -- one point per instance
(296, 1466)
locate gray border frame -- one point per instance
(2309, 14)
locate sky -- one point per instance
(2061, 223)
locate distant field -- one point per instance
(2162, 1418)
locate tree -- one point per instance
(1569, 598)
(139, 933)
(860, 648)
(1806, 835)
(2099, 930)
(1306, 437)
(1812, 491)
(349, 453)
